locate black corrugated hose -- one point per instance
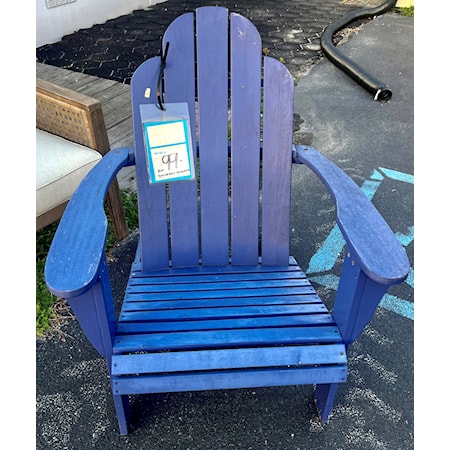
(375, 87)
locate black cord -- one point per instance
(379, 90)
(159, 92)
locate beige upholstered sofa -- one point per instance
(71, 138)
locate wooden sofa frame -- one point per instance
(77, 118)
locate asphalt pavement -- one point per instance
(372, 141)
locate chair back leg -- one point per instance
(325, 395)
(122, 404)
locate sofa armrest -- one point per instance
(374, 246)
(76, 252)
(78, 118)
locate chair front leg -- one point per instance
(94, 311)
(357, 298)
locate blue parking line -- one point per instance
(399, 176)
(325, 258)
(406, 239)
(389, 302)
(410, 279)
(398, 306)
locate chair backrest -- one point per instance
(237, 211)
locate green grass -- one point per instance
(407, 11)
(45, 301)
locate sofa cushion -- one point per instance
(60, 167)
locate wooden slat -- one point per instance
(212, 71)
(223, 277)
(152, 199)
(226, 338)
(224, 286)
(121, 134)
(245, 139)
(200, 271)
(221, 312)
(130, 304)
(206, 294)
(117, 106)
(290, 320)
(183, 195)
(100, 88)
(228, 359)
(229, 380)
(63, 77)
(245, 306)
(277, 161)
(179, 295)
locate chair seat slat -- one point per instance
(213, 284)
(250, 292)
(222, 312)
(196, 277)
(229, 380)
(221, 269)
(225, 287)
(218, 303)
(226, 338)
(295, 356)
(126, 327)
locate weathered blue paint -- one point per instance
(326, 257)
(389, 302)
(246, 321)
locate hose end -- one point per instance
(383, 94)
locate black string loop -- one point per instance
(160, 93)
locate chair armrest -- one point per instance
(375, 247)
(76, 251)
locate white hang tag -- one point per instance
(168, 142)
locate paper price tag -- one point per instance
(168, 143)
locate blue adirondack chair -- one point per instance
(214, 299)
